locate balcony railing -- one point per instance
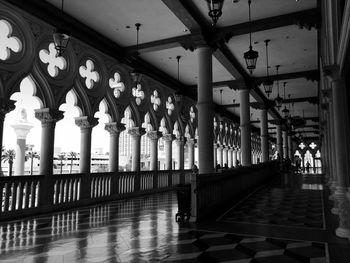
(30, 195)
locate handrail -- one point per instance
(28, 195)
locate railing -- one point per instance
(210, 191)
(29, 195)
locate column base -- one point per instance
(335, 211)
(340, 196)
(343, 233)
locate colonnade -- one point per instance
(334, 117)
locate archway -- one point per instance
(22, 133)
(125, 142)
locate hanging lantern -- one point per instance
(285, 112)
(61, 37)
(268, 82)
(251, 55)
(215, 10)
(278, 99)
(136, 74)
(268, 85)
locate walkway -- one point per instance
(281, 222)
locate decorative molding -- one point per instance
(114, 128)
(136, 131)
(48, 116)
(86, 122)
(154, 135)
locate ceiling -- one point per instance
(166, 25)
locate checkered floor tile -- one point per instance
(280, 206)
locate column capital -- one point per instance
(191, 141)
(86, 122)
(168, 137)
(6, 106)
(136, 131)
(48, 116)
(114, 128)
(332, 72)
(181, 140)
(154, 135)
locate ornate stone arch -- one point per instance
(22, 60)
(41, 89)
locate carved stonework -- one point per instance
(114, 128)
(331, 72)
(168, 137)
(181, 140)
(343, 212)
(136, 131)
(154, 135)
(48, 116)
(5, 107)
(35, 29)
(86, 122)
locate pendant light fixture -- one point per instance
(278, 99)
(136, 74)
(215, 10)
(178, 96)
(251, 55)
(61, 37)
(268, 83)
(285, 111)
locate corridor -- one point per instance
(287, 221)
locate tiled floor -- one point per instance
(144, 230)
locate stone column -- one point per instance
(48, 118)
(114, 130)
(154, 137)
(220, 155)
(264, 135)
(85, 124)
(279, 140)
(340, 121)
(5, 107)
(136, 133)
(215, 154)
(285, 143)
(190, 145)
(229, 162)
(205, 110)
(290, 146)
(245, 127)
(180, 142)
(22, 127)
(224, 155)
(168, 140)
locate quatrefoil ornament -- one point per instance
(87, 72)
(8, 42)
(313, 145)
(302, 146)
(54, 63)
(116, 84)
(155, 100)
(138, 94)
(170, 106)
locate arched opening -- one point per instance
(100, 141)
(175, 148)
(161, 145)
(67, 148)
(146, 144)
(125, 153)
(308, 161)
(22, 133)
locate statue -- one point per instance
(23, 115)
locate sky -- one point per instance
(67, 134)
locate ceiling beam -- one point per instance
(305, 18)
(312, 100)
(309, 75)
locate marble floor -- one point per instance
(287, 221)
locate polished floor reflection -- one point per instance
(280, 222)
